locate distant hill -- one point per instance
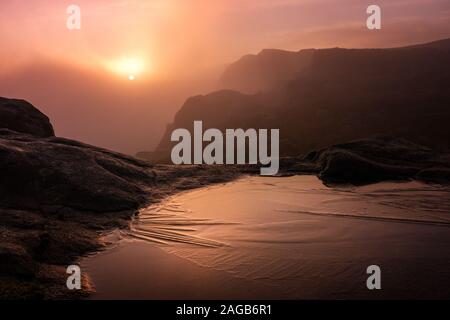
(327, 96)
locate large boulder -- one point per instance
(435, 174)
(21, 116)
(42, 172)
(53, 173)
(372, 160)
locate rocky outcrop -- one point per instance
(373, 160)
(50, 173)
(436, 174)
(55, 196)
(21, 116)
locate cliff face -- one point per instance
(322, 97)
(274, 68)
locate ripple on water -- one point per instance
(294, 233)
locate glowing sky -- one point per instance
(176, 49)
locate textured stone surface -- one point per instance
(21, 116)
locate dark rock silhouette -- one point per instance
(21, 116)
(437, 174)
(373, 160)
(47, 173)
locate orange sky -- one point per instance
(183, 46)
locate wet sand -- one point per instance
(282, 238)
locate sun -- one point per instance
(129, 67)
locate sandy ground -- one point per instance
(282, 238)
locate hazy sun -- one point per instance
(127, 67)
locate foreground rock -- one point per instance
(57, 196)
(373, 160)
(21, 116)
(49, 174)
